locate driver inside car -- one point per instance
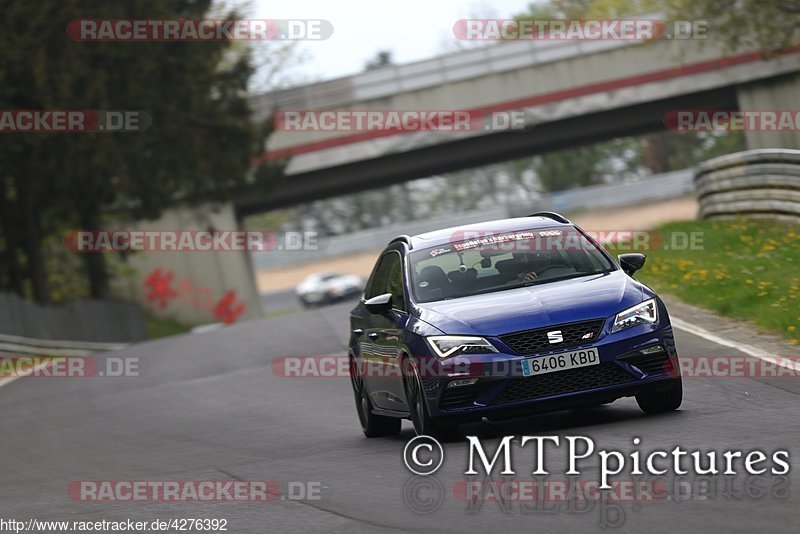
(533, 265)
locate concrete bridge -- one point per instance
(571, 93)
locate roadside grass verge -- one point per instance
(158, 327)
(746, 269)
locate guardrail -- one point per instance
(763, 183)
(82, 325)
(658, 187)
(51, 347)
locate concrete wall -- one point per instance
(199, 280)
(762, 183)
(776, 94)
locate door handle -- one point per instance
(372, 335)
(358, 332)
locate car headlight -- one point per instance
(449, 346)
(644, 313)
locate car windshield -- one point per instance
(488, 263)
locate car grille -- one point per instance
(533, 341)
(462, 395)
(559, 382)
(648, 363)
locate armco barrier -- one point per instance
(90, 321)
(762, 183)
(658, 187)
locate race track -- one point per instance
(210, 407)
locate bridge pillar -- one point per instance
(772, 94)
(193, 287)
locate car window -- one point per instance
(378, 282)
(388, 278)
(503, 261)
(395, 283)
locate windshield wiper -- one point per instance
(534, 282)
(560, 278)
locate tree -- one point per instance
(382, 59)
(770, 25)
(197, 149)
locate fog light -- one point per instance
(652, 349)
(461, 382)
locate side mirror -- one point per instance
(379, 304)
(631, 262)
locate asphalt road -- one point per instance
(210, 407)
(280, 302)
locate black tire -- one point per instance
(661, 397)
(373, 426)
(424, 424)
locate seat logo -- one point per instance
(555, 337)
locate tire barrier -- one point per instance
(761, 183)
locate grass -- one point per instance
(158, 327)
(747, 269)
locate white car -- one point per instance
(326, 288)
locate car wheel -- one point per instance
(424, 424)
(661, 397)
(372, 425)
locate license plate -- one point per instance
(560, 362)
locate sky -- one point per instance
(411, 29)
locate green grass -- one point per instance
(158, 327)
(744, 269)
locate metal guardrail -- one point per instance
(81, 322)
(658, 187)
(50, 347)
(662, 186)
(368, 240)
(762, 183)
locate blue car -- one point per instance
(505, 319)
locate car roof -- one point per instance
(500, 226)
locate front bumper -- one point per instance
(501, 390)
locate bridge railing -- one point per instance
(461, 65)
(763, 183)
